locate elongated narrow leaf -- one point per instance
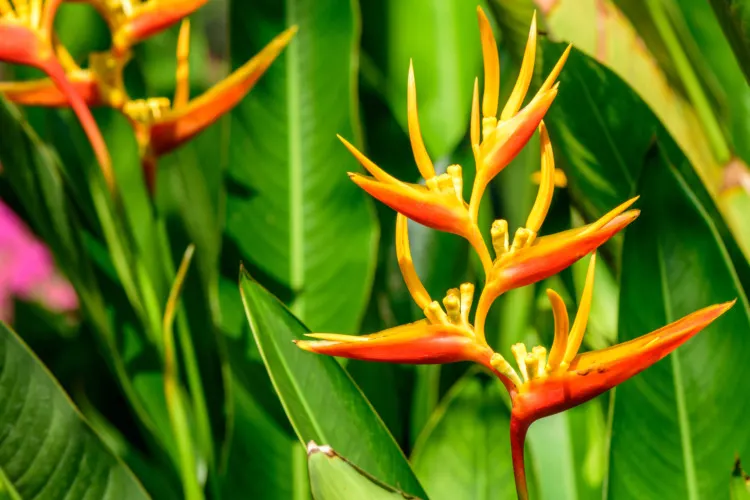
(734, 16)
(47, 450)
(333, 477)
(679, 426)
(292, 211)
(319, 397)
(442, 40)
(601, 31)
(464, 451)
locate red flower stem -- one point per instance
(518, 430)
(56, 72)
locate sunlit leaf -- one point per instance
(333, 477)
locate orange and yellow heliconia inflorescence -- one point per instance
(542, 382)
(160, 124)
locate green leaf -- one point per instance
(320, 399)
(292, 212)
(445, 49)
(679, 426)
(464, 451)
(333, 477)
(734, 17)
(265, 460)
(600, 30)
(739, 484)
(47, 450)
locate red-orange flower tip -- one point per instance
(530, 259)
(179, 124)
(416, 343)
(593, 373)
(148, 19)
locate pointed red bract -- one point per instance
(415, 343)
(592, 373)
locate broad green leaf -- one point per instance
(333, 477)
(292, 212)
(601, 130)
(320, 399)
(47, 450)
(445, 49)
(464, 451)
(679, 426)
(600, 30)
(734, 17)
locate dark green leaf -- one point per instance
(319, 397)
(445, 49)
(333, 477)
(734, 16)
(292, 212)
(47, 450)
(679, 426)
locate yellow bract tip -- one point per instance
(336, 337)
(182, 79)
(560, 314)
(582, 316)
(556, 70)
(406, 264)
(424, 164)
(475, 114)
(609, 216)
(491, 66)
(368, 164)
(547, 184)
(524, 77)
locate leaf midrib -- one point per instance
(295, 169)
(679, 389)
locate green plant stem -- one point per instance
(694, 89)
(192, 372)
(175, 401)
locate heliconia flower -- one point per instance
(445, 336)
(162, 126)
(504, 137)
(26, 38)
(549, 385)
(101, 84)
(132, 21)
(530, 259)
(540, 386)
(438, 204)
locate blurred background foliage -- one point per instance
(654, 100)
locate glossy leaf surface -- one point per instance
(318, 230)
(320, 399)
